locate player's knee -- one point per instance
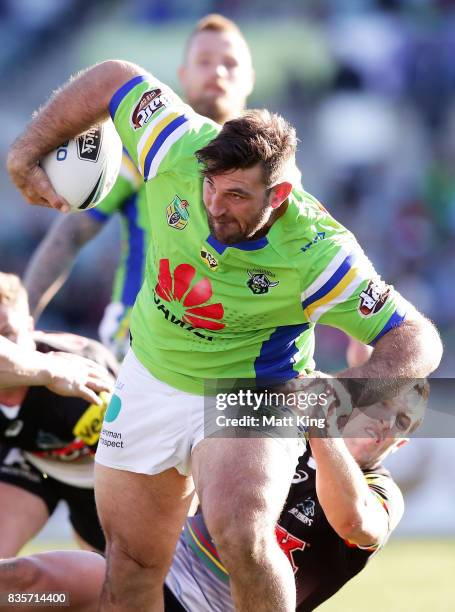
(126, 558)
(243, 544)
(21, 574)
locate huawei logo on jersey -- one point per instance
(289, 544)
(189, 298)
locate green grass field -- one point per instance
(408, 576)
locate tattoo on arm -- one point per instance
(51, 263)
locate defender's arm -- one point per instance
(51, 263)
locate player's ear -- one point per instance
(280, 194)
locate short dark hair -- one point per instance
(256, 137)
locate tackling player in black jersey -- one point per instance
(342, 506)
(51, 409)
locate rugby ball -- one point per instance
(84, 169)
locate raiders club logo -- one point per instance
(259, 283)
(177, 213)
(373, 298)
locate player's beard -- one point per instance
(228, 231)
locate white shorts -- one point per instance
(150, 427)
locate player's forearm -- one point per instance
(51, 263)
(412, 350)
(344, 495)
(20, 366)
(74, 108)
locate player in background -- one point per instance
(247, 311)
(341, 509)
(50, 419)
(216, 78)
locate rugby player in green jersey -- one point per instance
(216, 78)
(241, 266)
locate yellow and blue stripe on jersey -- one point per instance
(161, 133)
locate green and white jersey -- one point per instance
(128, 199)
(248, 310)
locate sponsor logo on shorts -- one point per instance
(113, 410)
(189, 299)
(88, 145)
(373, 298)
(289, 544)
(150, 102)
(111, 438)
(259, 282)
(209, 259)
(177, 214)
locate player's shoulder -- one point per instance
(145, 101)
(160, 131)
(308, 232)
(308, 211)
(382, 484)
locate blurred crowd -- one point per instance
(376, 119)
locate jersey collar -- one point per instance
(245, 245)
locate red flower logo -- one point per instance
(177, 288)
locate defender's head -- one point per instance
(16, 324)
(373, 433)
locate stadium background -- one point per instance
(370, 86)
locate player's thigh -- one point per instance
(77, 573)
(142, 515)
(26, 500)
(83, 517)
(243, 480)
(22, 516)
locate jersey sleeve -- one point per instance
(390, 498)
(128, 182)
(342, 288)
(160, 132)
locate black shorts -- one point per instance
(81, 502)
(171, 603)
